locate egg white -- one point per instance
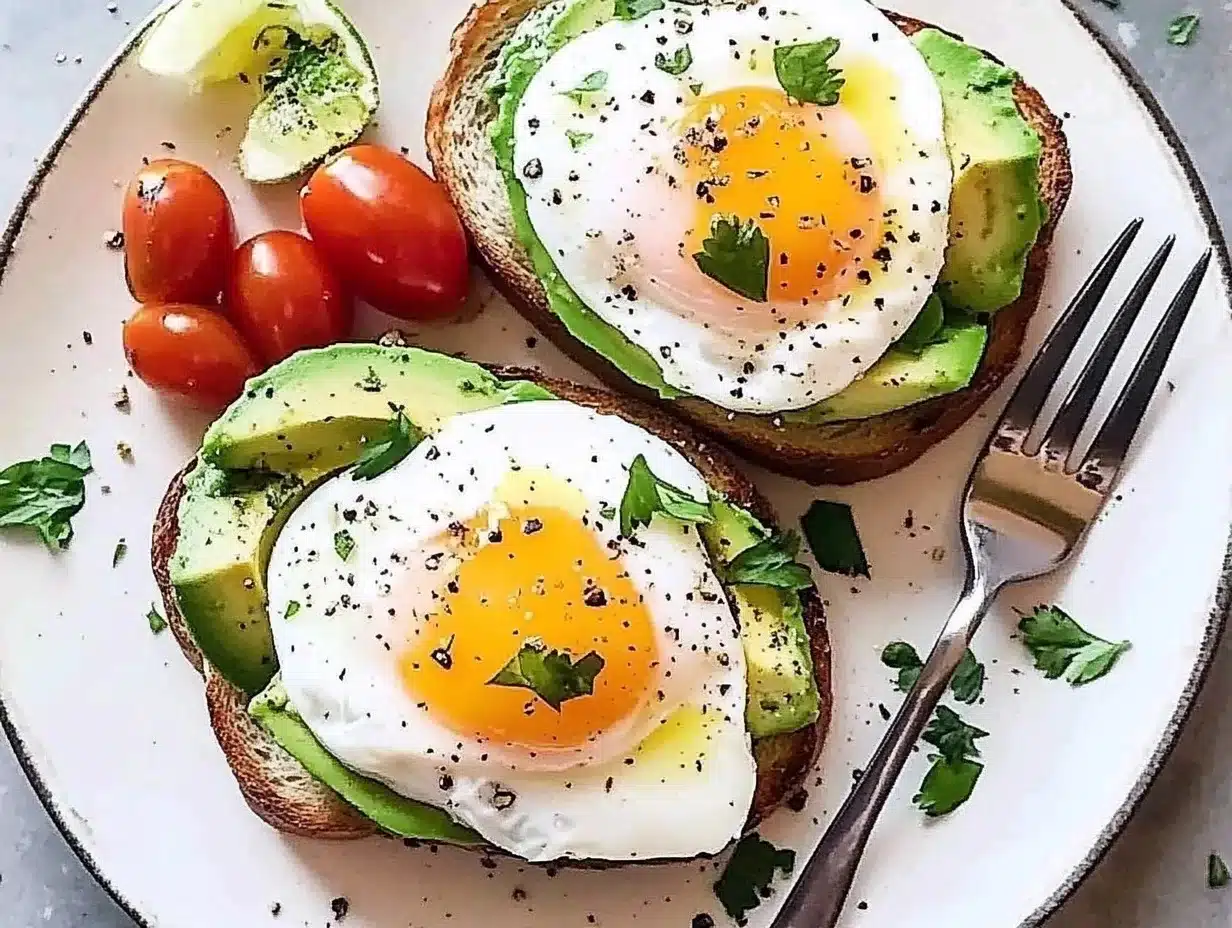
(583, 203)
(676, 782)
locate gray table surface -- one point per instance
(1154, 876)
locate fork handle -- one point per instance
(816, 901)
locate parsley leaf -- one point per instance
(749, 874)
(117, 555)
(1181, 31)
(344, 544)
(924, 330)
(292, 609)
(636, 9)
(157, 622)
(771, 562)
(678, 63)
(646, 495)
(591, 83)
(578, 139)
(1217, 876)
(966, 684)
(968, 680)
(804, 71)
(737, 255)
(1060, 646)
(832, 536)
(379, 456)
(45, 494)
(954, 771)
(553, 675)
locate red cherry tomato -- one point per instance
(389, 231)
(178, 234)
(283, 297)
(190, 351)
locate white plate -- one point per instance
(110, 723)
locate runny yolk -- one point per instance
(804, 173)
(545, 575)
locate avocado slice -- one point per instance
(995, 209)
(218, 569)
(396, 814)
(782, 692)
(903, 378)
(317, 409)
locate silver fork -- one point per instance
(1025, 509)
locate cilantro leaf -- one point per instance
(1060, 646)
(1217, 876)
(953, 737)
(379, 456)
(157, 622)
(737, 255)
(749, 874)
(553, 675)
(900, 656)
(832, 536)
(678, 63)
(591, 83)
(45, 494)
(117, 555)
(804, 71)
(968, 680)
(947, 785)
(923, 331)
(578, 139)
(646, 494)
(771, 562)
(636, 9)
(1181, 31)
(344, 544)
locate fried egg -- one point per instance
(398, 603)
(640, 140)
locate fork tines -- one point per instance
(1107, 451)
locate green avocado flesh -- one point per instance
(391, 811)
(996, 215)
(309, 417)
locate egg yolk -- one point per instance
(803, 173)
(541, 574)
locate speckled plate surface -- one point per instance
(109, 720)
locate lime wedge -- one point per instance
(317, 80)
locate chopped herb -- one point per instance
(125, 451)
(771, 562)
(646, 495)
(831, 532)
(117, 555)
(1216, 872)
(1181, 31)
(553, 675)
(46, 494)
(344, 544)
(578, 139)
(678, 63)
(636, 9)
(608, 512)
(371, 382)
(737, 255)
(379, 456)
(591, 83)
(157, 622)
(925, 329)
(696, 88)
(954, 772)
(292, 610)
(804, 71)
(749, 874)
(1060, 646)
(967, 682)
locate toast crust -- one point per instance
(287, 798)
(836, 453)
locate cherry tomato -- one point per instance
(389, 231)
(190, 351)
(178, 234)
(283, 297)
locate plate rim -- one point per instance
(1216, 624)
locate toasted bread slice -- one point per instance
(842, 452)
(282, 793)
